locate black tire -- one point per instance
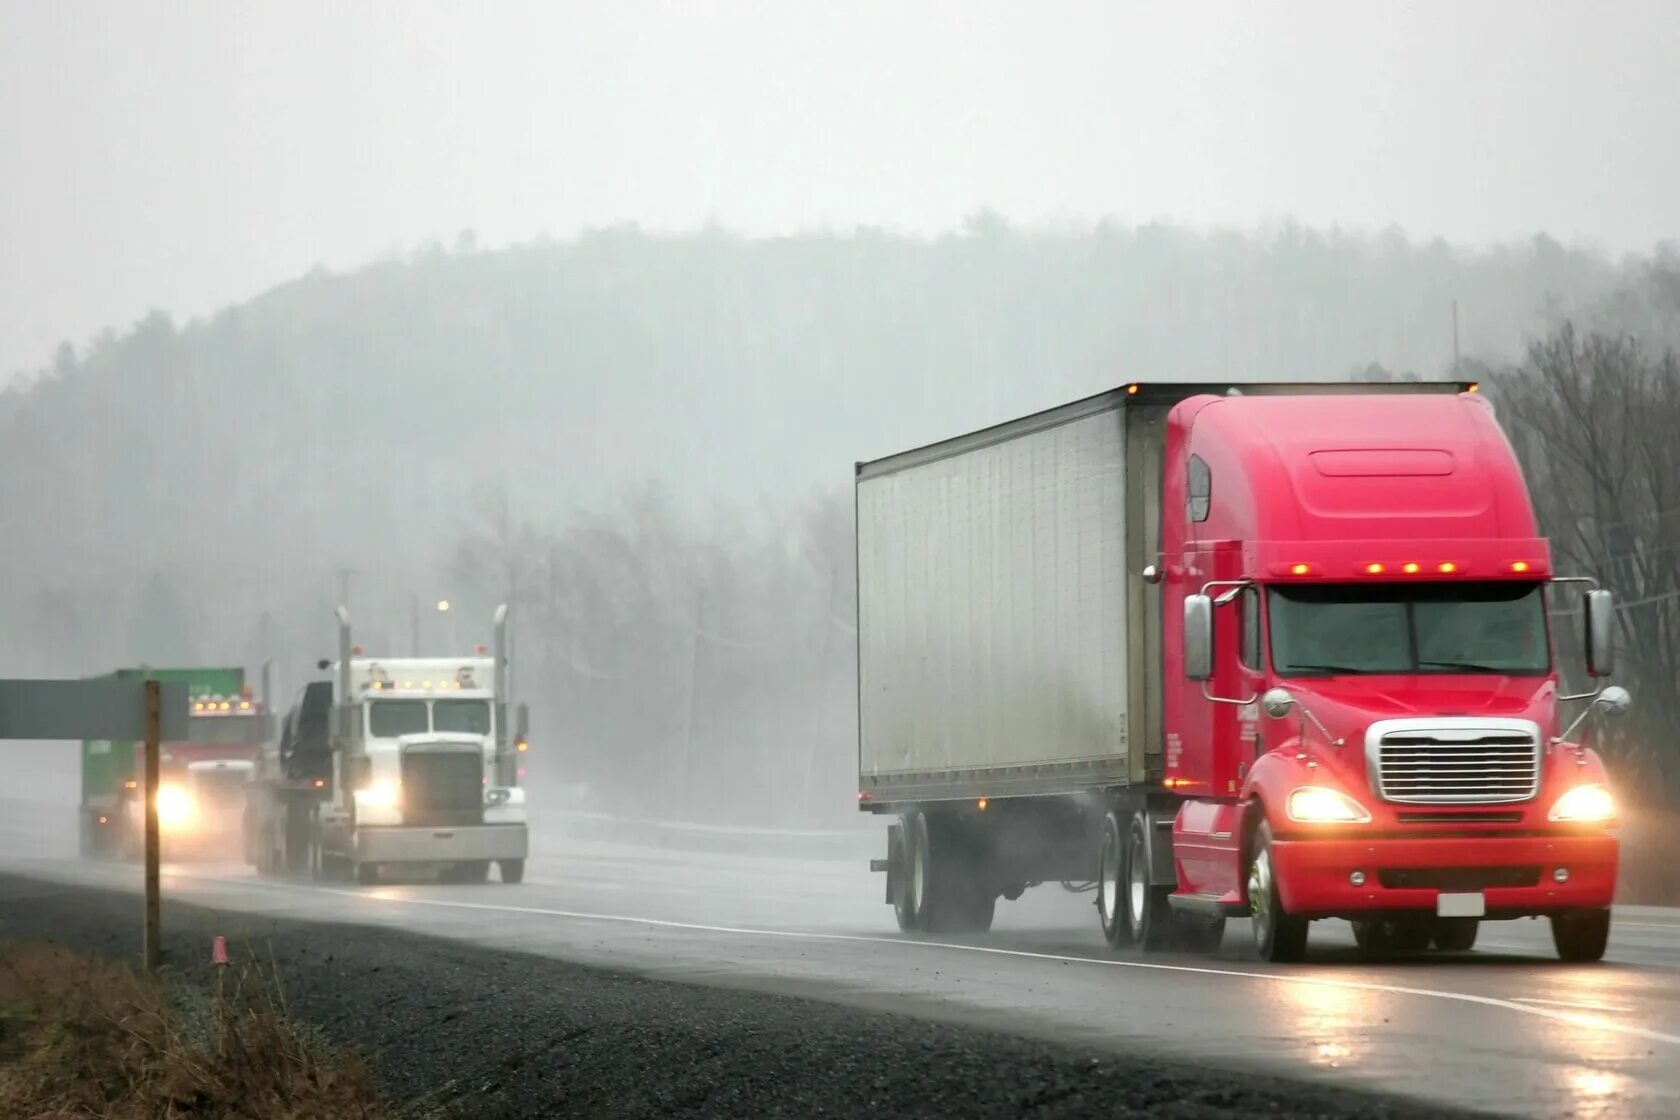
(1581, 935)
(1456, 935)
(898, 860)
(1111, 880)
(512, 870)
(1149, 916)
(949, 892)
(1279, 937)
(1198, 934)
(367, 874)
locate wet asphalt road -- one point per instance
(1505, 1028)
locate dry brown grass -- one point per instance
(81, 1037)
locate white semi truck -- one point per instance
(395, 767)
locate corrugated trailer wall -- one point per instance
(992, 592)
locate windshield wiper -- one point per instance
(1462, 666)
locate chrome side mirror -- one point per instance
(1198, 637)
(1600, 617)
(1276, 702)
(1615, 700)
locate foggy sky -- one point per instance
(185, 155)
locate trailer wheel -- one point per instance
(513, 870)
(1581, 935)
(1278, 936)
(948, 892)
(1111, 871)
(1149, 917)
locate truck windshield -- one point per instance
(389, 718)
(1420, 628)
(470, 716)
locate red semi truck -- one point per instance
(1279, 651)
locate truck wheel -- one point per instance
(1111, 886)
(1278, 936)
(1149, 917)
(1581, 935)
(513, 870)
(1456, 935)
(947, 892)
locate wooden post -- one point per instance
(149, 939)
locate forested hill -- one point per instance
(179, 480)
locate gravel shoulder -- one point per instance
(454, 1030)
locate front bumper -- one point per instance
(441, 845)
(1410, 874)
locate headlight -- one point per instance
(380, 795)
(1591, 802)
(174, 806)
(1323, 805)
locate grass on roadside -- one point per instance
(83, 1037)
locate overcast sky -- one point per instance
(185, 155)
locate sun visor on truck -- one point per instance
(1341, 561)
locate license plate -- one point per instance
(1460, 905)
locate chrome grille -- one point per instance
(1454, 760)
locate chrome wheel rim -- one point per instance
(1260, 892)
(1109, 877)
(1138, 888)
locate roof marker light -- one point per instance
(1300, 569)
(1446, 568)
(1374, 569)
(1474, 387)
(1519, 566)
(1132, 389)
(1411, 567)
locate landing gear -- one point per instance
(513, 870)
(1582, 935)
(1279, 937)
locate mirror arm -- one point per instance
(1563, 736)
(1322, 730)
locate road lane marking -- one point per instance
(1573, 1003)
(1573, 1018)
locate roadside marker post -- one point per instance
(122, 710)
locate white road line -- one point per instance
(1573, 1018)
(1573, 1003)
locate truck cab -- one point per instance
(1370, 721)
(419, 770)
